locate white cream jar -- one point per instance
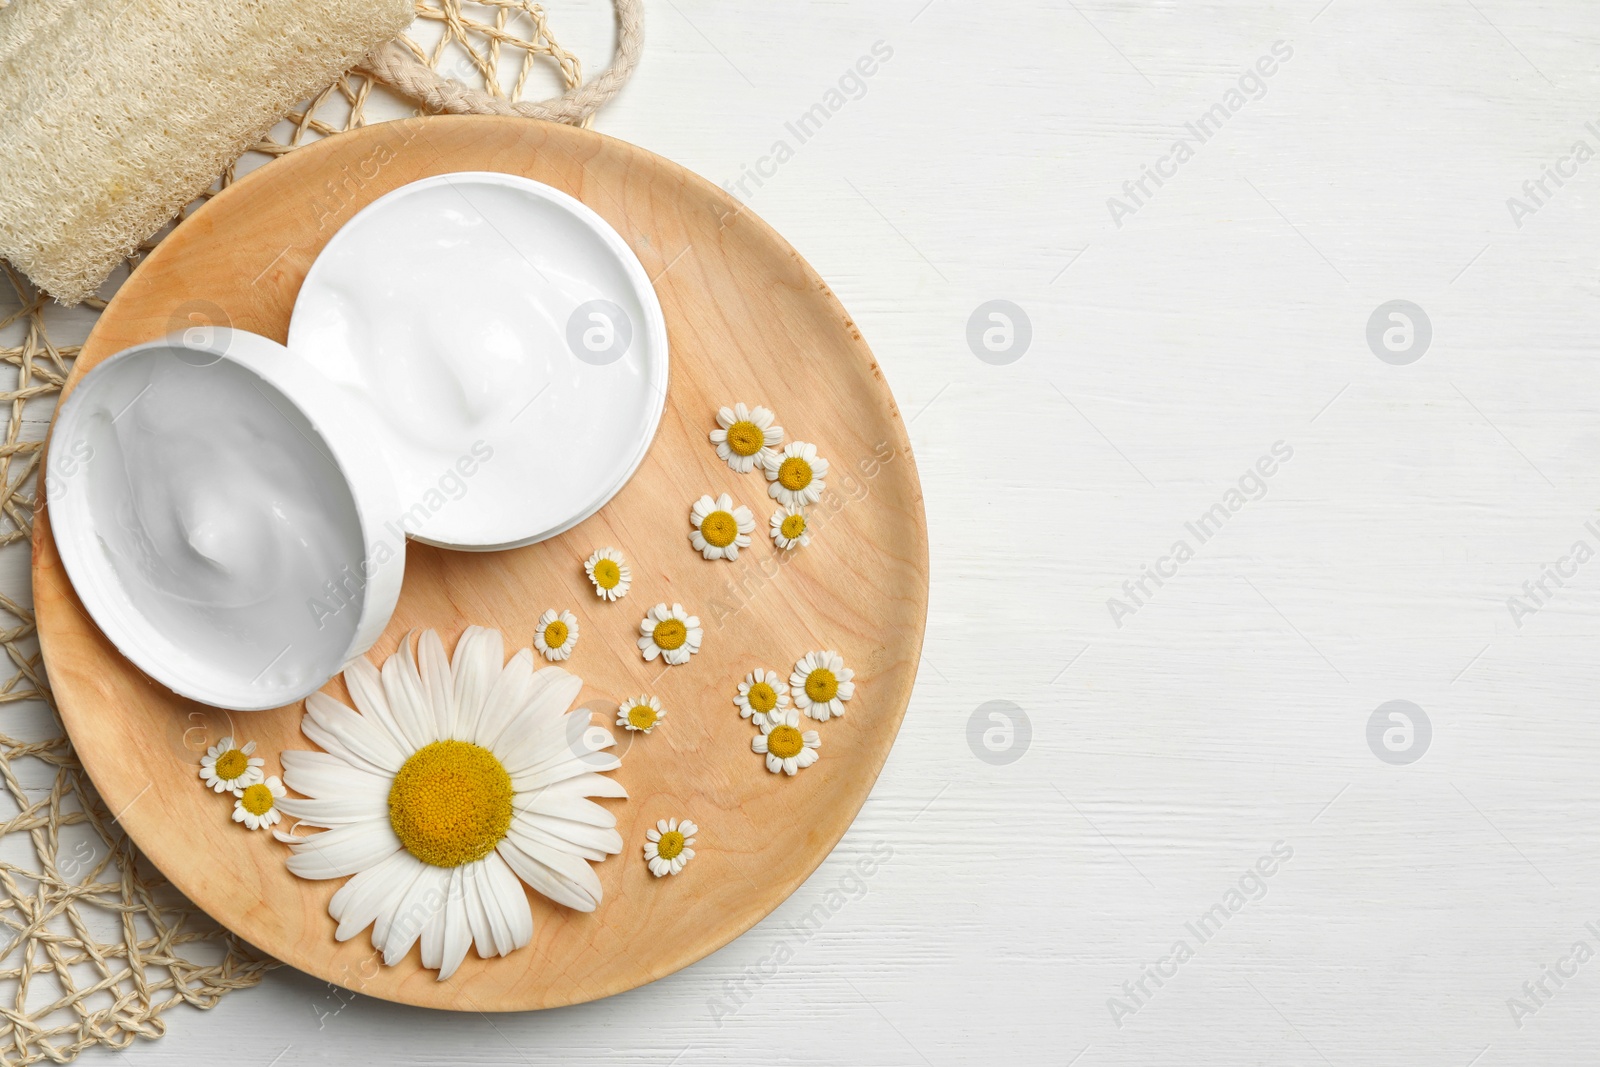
(233, 512)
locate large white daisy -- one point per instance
(456, 779)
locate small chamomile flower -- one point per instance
(745, 437)
(761, 695)
(787, 749)
(557, 635)
(720, 530)
(642, 713)
(669, 846)
(673, 634)
(797, 475)
(789, 528)
(257, 805)
(229, 768)
(610, 574)
(821, 684)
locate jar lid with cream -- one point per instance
(475, 360)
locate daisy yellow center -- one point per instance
(641, 716)
(785, 742)
(745, 438)
(669, 634)
(794, 473)
(793, 526)
(762, 697)
(450, 803)
(670, 845)
(607, 575)
(821, 685)
(231, 764)
(555, 635)
(257, 800)
(719, 529)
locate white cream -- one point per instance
(447, 310)
(209, 528)
(233, 513)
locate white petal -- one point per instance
(372, 892)
(457, 931)
(434, 669)
(543, 728)
(344, 733)
(344, 850)
(402, 686)
(564, 878)
(477, 913)
(478, 659)
(565, 800)
(335, 810)
(396, 933)
(591, 842)
(432, 941)
(319, 774)
(366, 689)
(551, 774)
(506, 903)
(505, 699)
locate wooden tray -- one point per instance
(748, 320)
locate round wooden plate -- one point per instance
(748, 320)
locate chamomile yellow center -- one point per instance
(794, 473)
(793, 526)
(450, 803)
(641, 716)
(745, 438)
(607, 574)
(719, 529)
(670, 845)
(785, 742)
(821, 685)
(555, 634)
(256, 799)
(762, 697)
(669, 634)
(231, 764)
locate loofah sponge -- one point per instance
(116, 113)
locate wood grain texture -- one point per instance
(747, 319)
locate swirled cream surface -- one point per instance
(230, 549)
(506, 344)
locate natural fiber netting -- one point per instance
(95, 945)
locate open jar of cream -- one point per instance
(475, 360)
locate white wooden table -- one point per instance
(1174, 742)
